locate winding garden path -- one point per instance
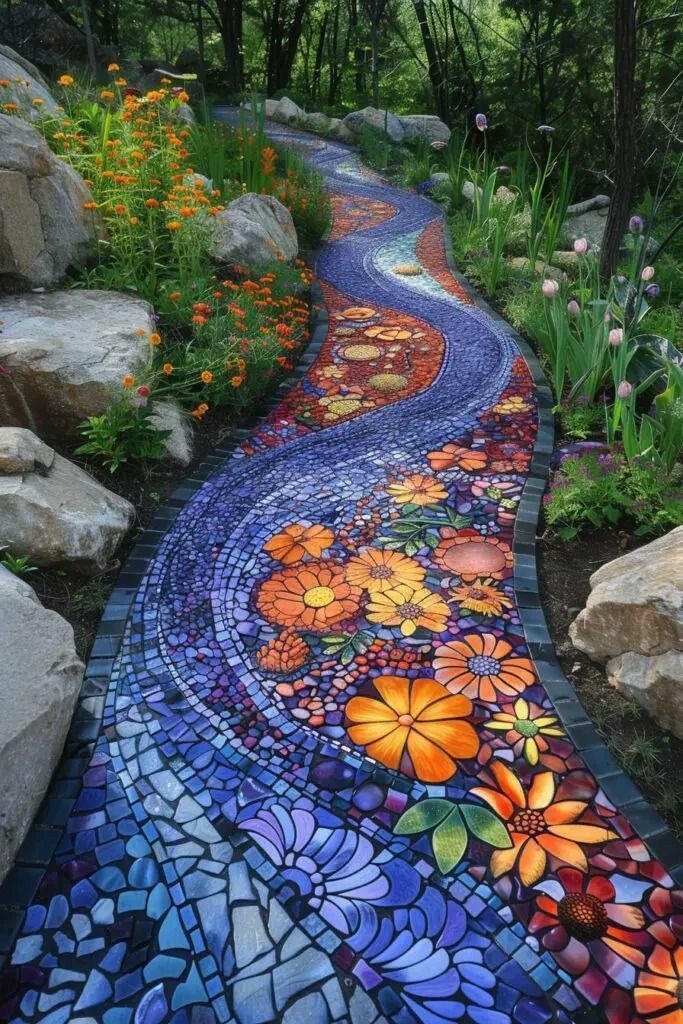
(339, 777)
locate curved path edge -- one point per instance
(22, 881)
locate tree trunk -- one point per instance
(437, 78)
(317, 67)
(624, 132)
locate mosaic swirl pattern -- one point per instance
(329, 784)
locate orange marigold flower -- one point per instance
(120, 208)
(141, 332)
(65, 80)
(174, 296)
(120, 82)
(173, 225)
(134, 220)
(297, 540)
(416, 721)
(537, 825)
(314, 596)
(286, 653)
(417, 489)
(183, 97)
(89, 206)
(152, 204)
(206, 376)
(187, 211)
(377, 570)
(200, 411)
(480, 666)
(113, 67)
(237, 381)
(128, 381)
(37, 102)
(168, 368)
(107, 94)
(199, 320)
(155, 338)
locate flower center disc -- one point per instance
(482, 665)
(583, 916)
(529, 823)
(380, 572)
(408, 611)
(405, 719)
(318, 597)
(525, 728)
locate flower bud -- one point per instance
(652, 290)
(573, 308)
(647, 273)
(581, 246)
(635, 224)
(481, 122)
(624, 390)
(550, 288)
(615, 336)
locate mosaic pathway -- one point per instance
(329, 785)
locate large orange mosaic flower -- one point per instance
(537, 826)
(480, 666)
(659, 993)
(377, 570)
(414, 720)
(297, 540)
(313, 596)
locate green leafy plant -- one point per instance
(417, 528)
(453, 825)
(20, 565)
(123, 432)
(345, 646)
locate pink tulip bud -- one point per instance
(550, 288)
(573, 308)
(624, 390)
(615, 336)
(581, 246)
(647, 273)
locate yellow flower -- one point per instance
(207, 376)
(481, 597)
(113, 67)
(37, 102)
(409, 607)
(417, 489)
(525, 726)
(65, 80)
(377, 571)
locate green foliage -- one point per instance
(375, 149)
(452, 825)
(596, 491)
(20, 565)
(124, 432)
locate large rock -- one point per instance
(286, 112)
(590, 224)
(425, 126)
(179, 444)
(317, 122)
(383, 122)
(338, 131)
(656, 684)
(60, 515)
(25, 84)
(22, 452)
(66, 352)
(40, 676)
(44, 225)
(254, 230)
(635, 604)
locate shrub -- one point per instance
(123, 432)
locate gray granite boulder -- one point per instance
(26, 84)
(286, 112)
(22, 452)
(254, 230)
(56, 514)
(425, 126)
(40, 676)
(383, 122)
(67, 352)
(44, 225)
(655, 683)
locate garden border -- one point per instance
(21, 883)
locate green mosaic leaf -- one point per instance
(422, 816)
(486, 825)
(449, 841)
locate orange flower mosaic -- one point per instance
(314, 596)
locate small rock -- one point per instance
(184, 114)
(22, 452)
(540, 270)
(62, 517)
(655, 683)
(566, 260)
(254, 230)
(179, 444)
(40, 675)
(596, 203)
